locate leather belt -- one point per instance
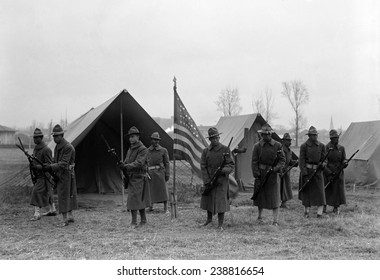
(264, 166)
(154, 167)
(311, 166)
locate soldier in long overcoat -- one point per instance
(267, 155)
(42, 194)
(335, 191)
(285, 186)
(63, 167)
(311, 153)
(135, 164)
(159, 171)
(217, 200)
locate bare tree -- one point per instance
(264, 105)
(229, 102)
(297, 95)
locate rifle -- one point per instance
(31, 159)
(118, 161)
(289, 168)
(319, 167)
(256, 191)
(212, 183)
(340, 170)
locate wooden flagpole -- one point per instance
(122, 148)
(173, 195)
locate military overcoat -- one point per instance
(217, 201)
(264, 155)
(63, 166)
(335, 192)
(138, 184)
(313, 194)
(158, 168)
(285, 186)
(42, 189)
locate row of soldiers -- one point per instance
(320, 165)
(147, 170)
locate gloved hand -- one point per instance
(47, 167)
(120, 165)
(276, 169)
(225, 171)
(305, 178)
(36, 167)
(167, 178)
(345, 164)
(324, 164)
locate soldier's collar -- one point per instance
(310, 143)
(136, 145)
(271, 142)
(40, 146)
(216, 147)
(62, 144)
(155, 148)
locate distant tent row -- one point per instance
(96, 169)
(364, 169)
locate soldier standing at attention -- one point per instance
(63, 166)
(159, 171)
(335, 192)
(285, 186)
(138, 186)
(42, 194)
(267, 156)
(311, 153)
(217, 200)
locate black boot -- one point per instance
(220, 221)
(166, 207)
(143, 217)
(209, 218)
(134, 218)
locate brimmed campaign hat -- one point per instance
(286, 137)
(312, 131)
(133, 131)
(333, 133)
(38, 133)
(155, 136)
(57, 130)
(213, 132)
(265, 129)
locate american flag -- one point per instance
(188, 140)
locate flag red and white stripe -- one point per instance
(188, 140)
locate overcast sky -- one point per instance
(69, 56)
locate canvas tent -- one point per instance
(364, 168)
(96, 169)
(244, 130)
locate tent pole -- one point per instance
(122, 150)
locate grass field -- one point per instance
(101, 230)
